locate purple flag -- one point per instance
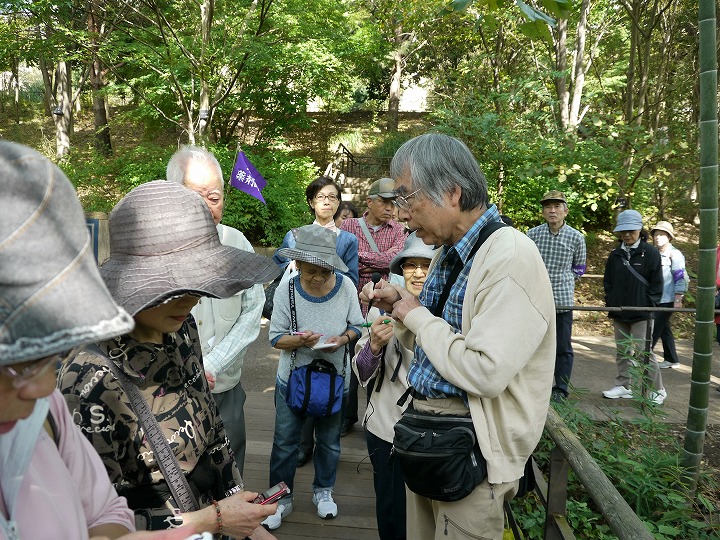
(246, 177)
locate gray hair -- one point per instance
(180, 160)
(437, 164)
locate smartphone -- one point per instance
(275, 493)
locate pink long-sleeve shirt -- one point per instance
(66, 490)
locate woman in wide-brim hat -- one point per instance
(324, 305)
(53, 483)
(674, 287)
(164, 254)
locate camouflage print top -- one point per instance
(171, 379)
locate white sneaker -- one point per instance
(658, 397)
(326, 507)
(274, 521)
(668, 365)
(618, 392)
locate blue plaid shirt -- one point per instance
(422, 374)
(564, 256)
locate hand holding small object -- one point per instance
(381, 295)
(381, 332)
(307, 338)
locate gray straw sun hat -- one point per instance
(164, 243)
(52, 298)
(316, 245)
(414, 247)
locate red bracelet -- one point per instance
(218, 518)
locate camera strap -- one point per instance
(175, 478)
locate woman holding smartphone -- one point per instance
(164, 255)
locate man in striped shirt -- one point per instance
(563, 251)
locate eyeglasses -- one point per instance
(321, 197)
(402, 201)
(411, 267)
(30, 372)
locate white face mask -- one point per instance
(661, 239)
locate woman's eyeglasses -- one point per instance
(410, 268)
(403, 202)
(321, 197)
(21, 377)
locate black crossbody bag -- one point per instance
(438, 454)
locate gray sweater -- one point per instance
(332, 314)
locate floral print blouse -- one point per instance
(171, 379)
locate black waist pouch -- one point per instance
(438, 455)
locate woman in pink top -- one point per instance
(52, 299)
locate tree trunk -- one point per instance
(102, 129)
(48, 90)
(395, 79)
(204, 116)
(63, 113)
(561, 86)
(579, 69)
(103, 143)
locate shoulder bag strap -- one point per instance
(293, 320)
(169, 466)
(368, 236)
(485, 232)
(634, 272)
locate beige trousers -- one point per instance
(480, 515)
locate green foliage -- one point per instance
(388, 144)
(287, 177)
(101, 182)
(641, 458)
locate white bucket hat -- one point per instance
(664, 226)
(52, 298)
(164, 243)
(414, 247)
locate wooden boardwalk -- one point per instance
(354, 493)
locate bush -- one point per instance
(285, 208)
(102, 181)
(641, 457)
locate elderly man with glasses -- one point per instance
(482, 332)
(380, 239)
(228, 326)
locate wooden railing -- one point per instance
(569, 452)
